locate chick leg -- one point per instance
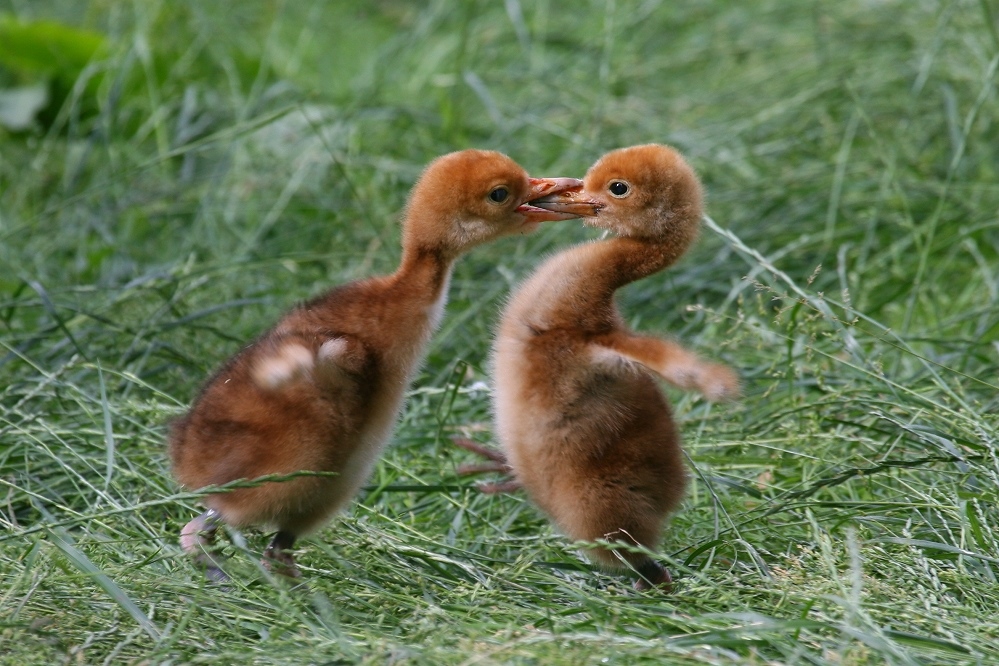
(653, 575)
(497, 463)
(497, 459)
(278, 557)
(196, 539)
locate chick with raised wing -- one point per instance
(583, 427)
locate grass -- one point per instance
(229, 162)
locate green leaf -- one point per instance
(47, 48)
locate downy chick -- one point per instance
(584, 427)
(322, 389)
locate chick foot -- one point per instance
(278, 558)
(653, 575)
(497, 463)
(197, 539)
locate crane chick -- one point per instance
(321, 390)
(584, 428)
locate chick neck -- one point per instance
(575, 288)
(424, 271)
(621, 260)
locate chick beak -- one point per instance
(544, 188)
(571, 202)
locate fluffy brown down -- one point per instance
(322, 389)
(584, 426)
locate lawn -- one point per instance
(199, 167)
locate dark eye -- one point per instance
(499, 194)
(619, 188)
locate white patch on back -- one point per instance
(287, 363)
(332, 349)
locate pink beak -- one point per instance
(572, 202)
(549, 187)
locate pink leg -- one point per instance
(482, 468)
(499, 487)
(480, 450)
(497, 463)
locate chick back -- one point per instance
(324, 421)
